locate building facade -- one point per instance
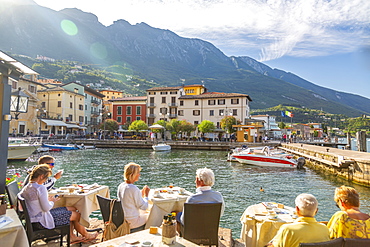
(128, 109)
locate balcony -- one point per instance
(172, 116)
(151, 105)
(173, 104)
(95, 113)
(151, 115)
(97, 102)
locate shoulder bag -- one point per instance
(111, 230)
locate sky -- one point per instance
(326, 42)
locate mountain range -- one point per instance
(161, 56)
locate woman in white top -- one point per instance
(40, 206)
(132, 199)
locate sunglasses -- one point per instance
(51, 164)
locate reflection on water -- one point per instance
(239, 184)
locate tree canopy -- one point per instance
(206, 126)
(109, 124)
(138, 125)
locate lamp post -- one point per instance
(18, 103)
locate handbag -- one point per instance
(111, 230)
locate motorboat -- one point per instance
(268, 158)
(20, 148)
(62, 147)
(161, 147)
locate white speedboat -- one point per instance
(22, 148)
(266, 157)
(161, 147)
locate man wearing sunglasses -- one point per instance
(49, 183)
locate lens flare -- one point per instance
(98, 50)
(69, 27)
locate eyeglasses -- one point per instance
(51, 164)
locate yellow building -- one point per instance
(60, 109)
(194, 89)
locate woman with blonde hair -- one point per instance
(40, 206)
(350, 222)
(132, 199)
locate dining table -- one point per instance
(12, 232)
(82, 197)
(164, 201)
(260, 222)
(139, 238)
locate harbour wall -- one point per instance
(353, 166)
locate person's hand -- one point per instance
(58, 175)
(145, 191)
(53, 199)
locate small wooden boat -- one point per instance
(161, 147)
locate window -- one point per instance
(152, 93)
(70, 118)
(181, 112)
(221, 101)
(59, 103)
(189, 91)
(70, 105)
(128, 120)
(14, 84)
(174, 92)
(138, 111)
(181, 102)
(32, 89)
(164, 92)
(196, 122)
(128, 111)
(235, 101)
(211, 102)
(119, 119)
(235, 112)
(151, 111)
(151, 100)
(163, 100)
(43, 104)
(196, 102)
(138, 118)
(81, 107)
(119, 110)
(211, 112)
(196, 112)
(221, 112)
(81, 119)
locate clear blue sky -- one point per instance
(326, 42)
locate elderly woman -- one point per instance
(350, 222)
(40, 206)
(132, 199)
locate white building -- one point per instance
(271, 128)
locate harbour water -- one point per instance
(239, 184)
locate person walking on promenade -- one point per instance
(305, 229)
(350, 222)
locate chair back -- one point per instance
(338, 242)
(356, 242)
(201, 222)
(12, 190)
(117, 213)
(28, 225)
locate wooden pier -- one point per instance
(351, 165)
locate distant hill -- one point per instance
(156, 57)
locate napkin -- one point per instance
(4, 220)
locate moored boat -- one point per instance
(22, 148)
(161, 147)
(266, 157)
(62, 147)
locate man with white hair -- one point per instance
(204, 180)
(305, 229)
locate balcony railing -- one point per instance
(151, 115)
(172, 104)
(97, 102)
(172, 116)
(151, 105)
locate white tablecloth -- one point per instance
(13, 234)
(140, 237)
(164, 205)
(257, 229)
(85, 203)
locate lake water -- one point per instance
(239, 184)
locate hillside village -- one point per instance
(71, 109)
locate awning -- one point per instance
(54, 122)
(71, 126)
